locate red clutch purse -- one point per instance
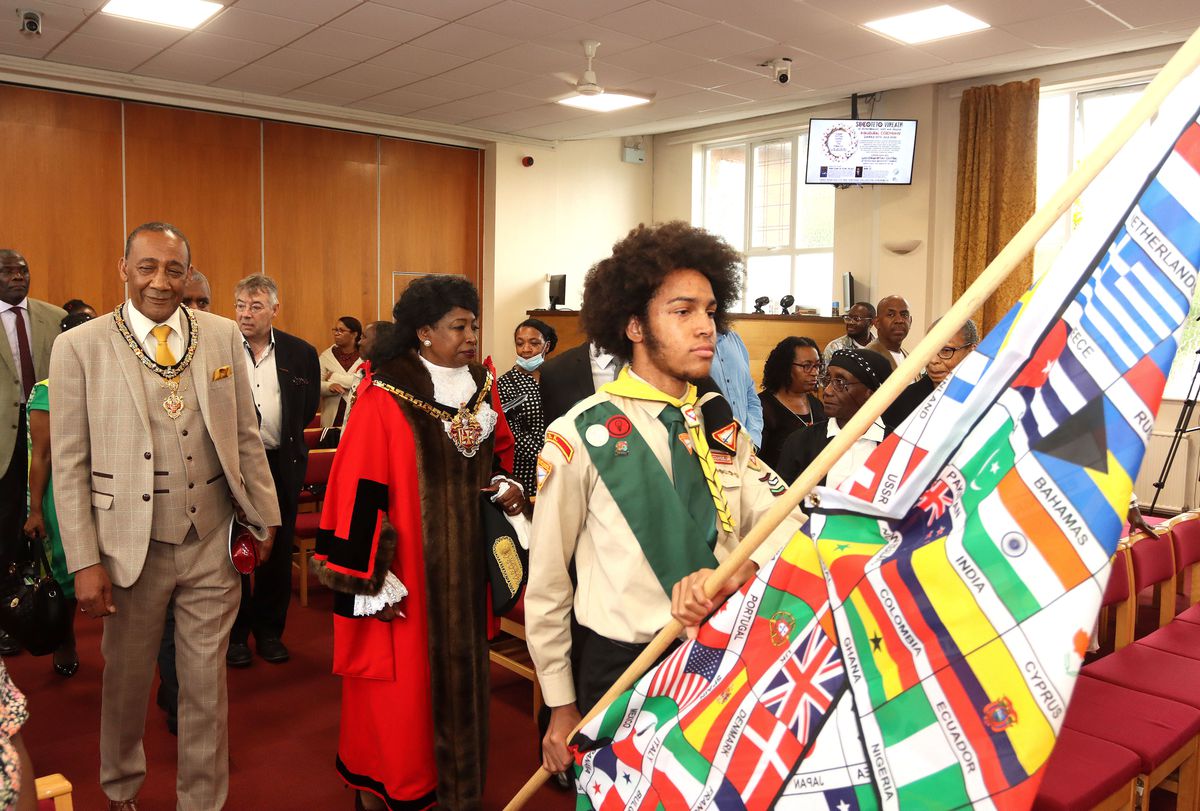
(243, 553)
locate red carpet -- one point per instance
(283, 727)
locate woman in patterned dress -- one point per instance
(521, 397)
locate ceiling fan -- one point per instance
(589, 95)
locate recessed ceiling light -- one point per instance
(938, 22)
(176, 13)
(604, 102)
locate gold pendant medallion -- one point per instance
(466, 432)
(173, 404)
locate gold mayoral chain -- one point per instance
(465, 431)
(168, 375)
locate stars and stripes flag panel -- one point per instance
(916, 644)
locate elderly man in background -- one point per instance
(285, 378)
(893, 320)
(196, 293)
(146, 501)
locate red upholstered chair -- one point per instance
(315, 422)
(1180, 638)
(509, 650)
(1185, 536)
(316, 476)
(1150, 670)
(1086, 773)
(1118, 601)
(54, 793)
(1164, 734)
(312, 437)
(1154, 570)
(1191, 615)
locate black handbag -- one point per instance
(33, 608)
(507, 562)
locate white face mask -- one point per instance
(532, 364)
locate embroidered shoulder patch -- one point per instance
(557, 440)
(754, 463)
(722, 458)
(544, 469)
(727, 436)
(776, 485)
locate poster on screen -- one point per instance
(860, 151)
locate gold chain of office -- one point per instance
(168, 375)
(465, 430)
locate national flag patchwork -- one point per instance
(916, 645)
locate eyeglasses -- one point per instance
(856, 319)
(255, 307)
(339, 330)
(837, 383)
(810, 368)
(947, 352)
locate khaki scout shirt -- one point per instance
(618, 595)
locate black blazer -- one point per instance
(565, 380)
(299, 374)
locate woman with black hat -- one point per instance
(852, 377)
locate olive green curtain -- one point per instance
(997, 187)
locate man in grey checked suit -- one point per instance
(155, 446)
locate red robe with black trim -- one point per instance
(415, 690)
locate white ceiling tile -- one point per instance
(765, 88)
(654, 60)
(901, 60)
(443, 89)
(515, 19)
(611, 76)
(187, 67)
(545, 88)
(412, 59)
(463, 40)
(529, 117)
(83, 5)
(865, 11)
(659, 88)
(106, 26)
(1139, 13)
(215, 46)
(583, 9)
(778, 19)
(306, 62)
(535, 59)
(842, 43)
(653, 20)
(716, 41)
(377, 76)
(996, 13)
(442, 9)
(815, 72)
(711, 74)
(92, 52)
(236, 22)
(611, 42)
(486, 76)
(976, 45)
(1070, 28)
(342, 91)
(309, 11)
(456, 112)
(339, 43)
(397, 25)
(398, 102)
(696, 101)
(259, 78)
(57, 22)
(29, 49)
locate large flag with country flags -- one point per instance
(915, 646)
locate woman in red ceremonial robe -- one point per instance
(401, 543)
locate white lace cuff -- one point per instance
(392, 593)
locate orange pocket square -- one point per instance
(223, 372)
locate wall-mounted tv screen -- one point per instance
(860, 151)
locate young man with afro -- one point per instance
(645, 486)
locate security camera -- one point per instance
(31, 23)
(783, 70)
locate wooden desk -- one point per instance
(760, 333)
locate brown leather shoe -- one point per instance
(123, 805)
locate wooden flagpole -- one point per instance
(1185, 60)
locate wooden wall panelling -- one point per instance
(60, 169)
(200, 172)
(320, 192)
(431, 213)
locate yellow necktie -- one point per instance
(626, 385)
(162, 353)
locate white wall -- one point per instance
(560, 215)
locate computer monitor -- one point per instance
(558, 291)
(848, 298)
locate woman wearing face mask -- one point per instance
(521, 397)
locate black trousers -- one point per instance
(265, 600)
(13, 486)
